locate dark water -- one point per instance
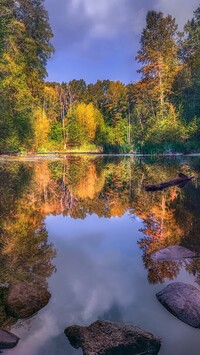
(85, 228)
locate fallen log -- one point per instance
(181, 180)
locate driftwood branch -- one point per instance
(181, 180)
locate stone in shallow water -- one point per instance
(108, 338)
(183, 301)
(173, 253)
(7, 339)
(24, 299)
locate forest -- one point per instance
(160, 113)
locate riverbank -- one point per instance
(63, 155)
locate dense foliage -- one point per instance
(25, 47)
(159, 113)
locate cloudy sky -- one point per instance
(98, 39)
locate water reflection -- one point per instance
(94, 213)
(107, 187)
(25, 254)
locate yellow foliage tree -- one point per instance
(51, 102)
(41, 129)
(84, 119)
(87, 117)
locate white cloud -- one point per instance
(182, 10)
(78, 21)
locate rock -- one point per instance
(183, 301)
(172, 253)
(108, 338)
(24, 299)
(7, 339)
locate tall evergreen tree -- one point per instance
(159, 57)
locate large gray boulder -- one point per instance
(24, 299)
(183, 301)
(172, 253)
(108, 338)
(7, 340)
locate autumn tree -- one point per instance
(159, 58)
(84, 120)
(41, 130)
(25, 47)
(159, 55)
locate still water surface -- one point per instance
(85, 228)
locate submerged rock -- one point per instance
(7, 340)
(108, 338)
(173, 253)
(24, 299)
(183, 301)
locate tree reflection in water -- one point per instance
(25, 252)
(107, 187)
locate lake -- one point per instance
(84, 228)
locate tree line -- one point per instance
(159, 113)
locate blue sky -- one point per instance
(98, 39)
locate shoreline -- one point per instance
(63, 155)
